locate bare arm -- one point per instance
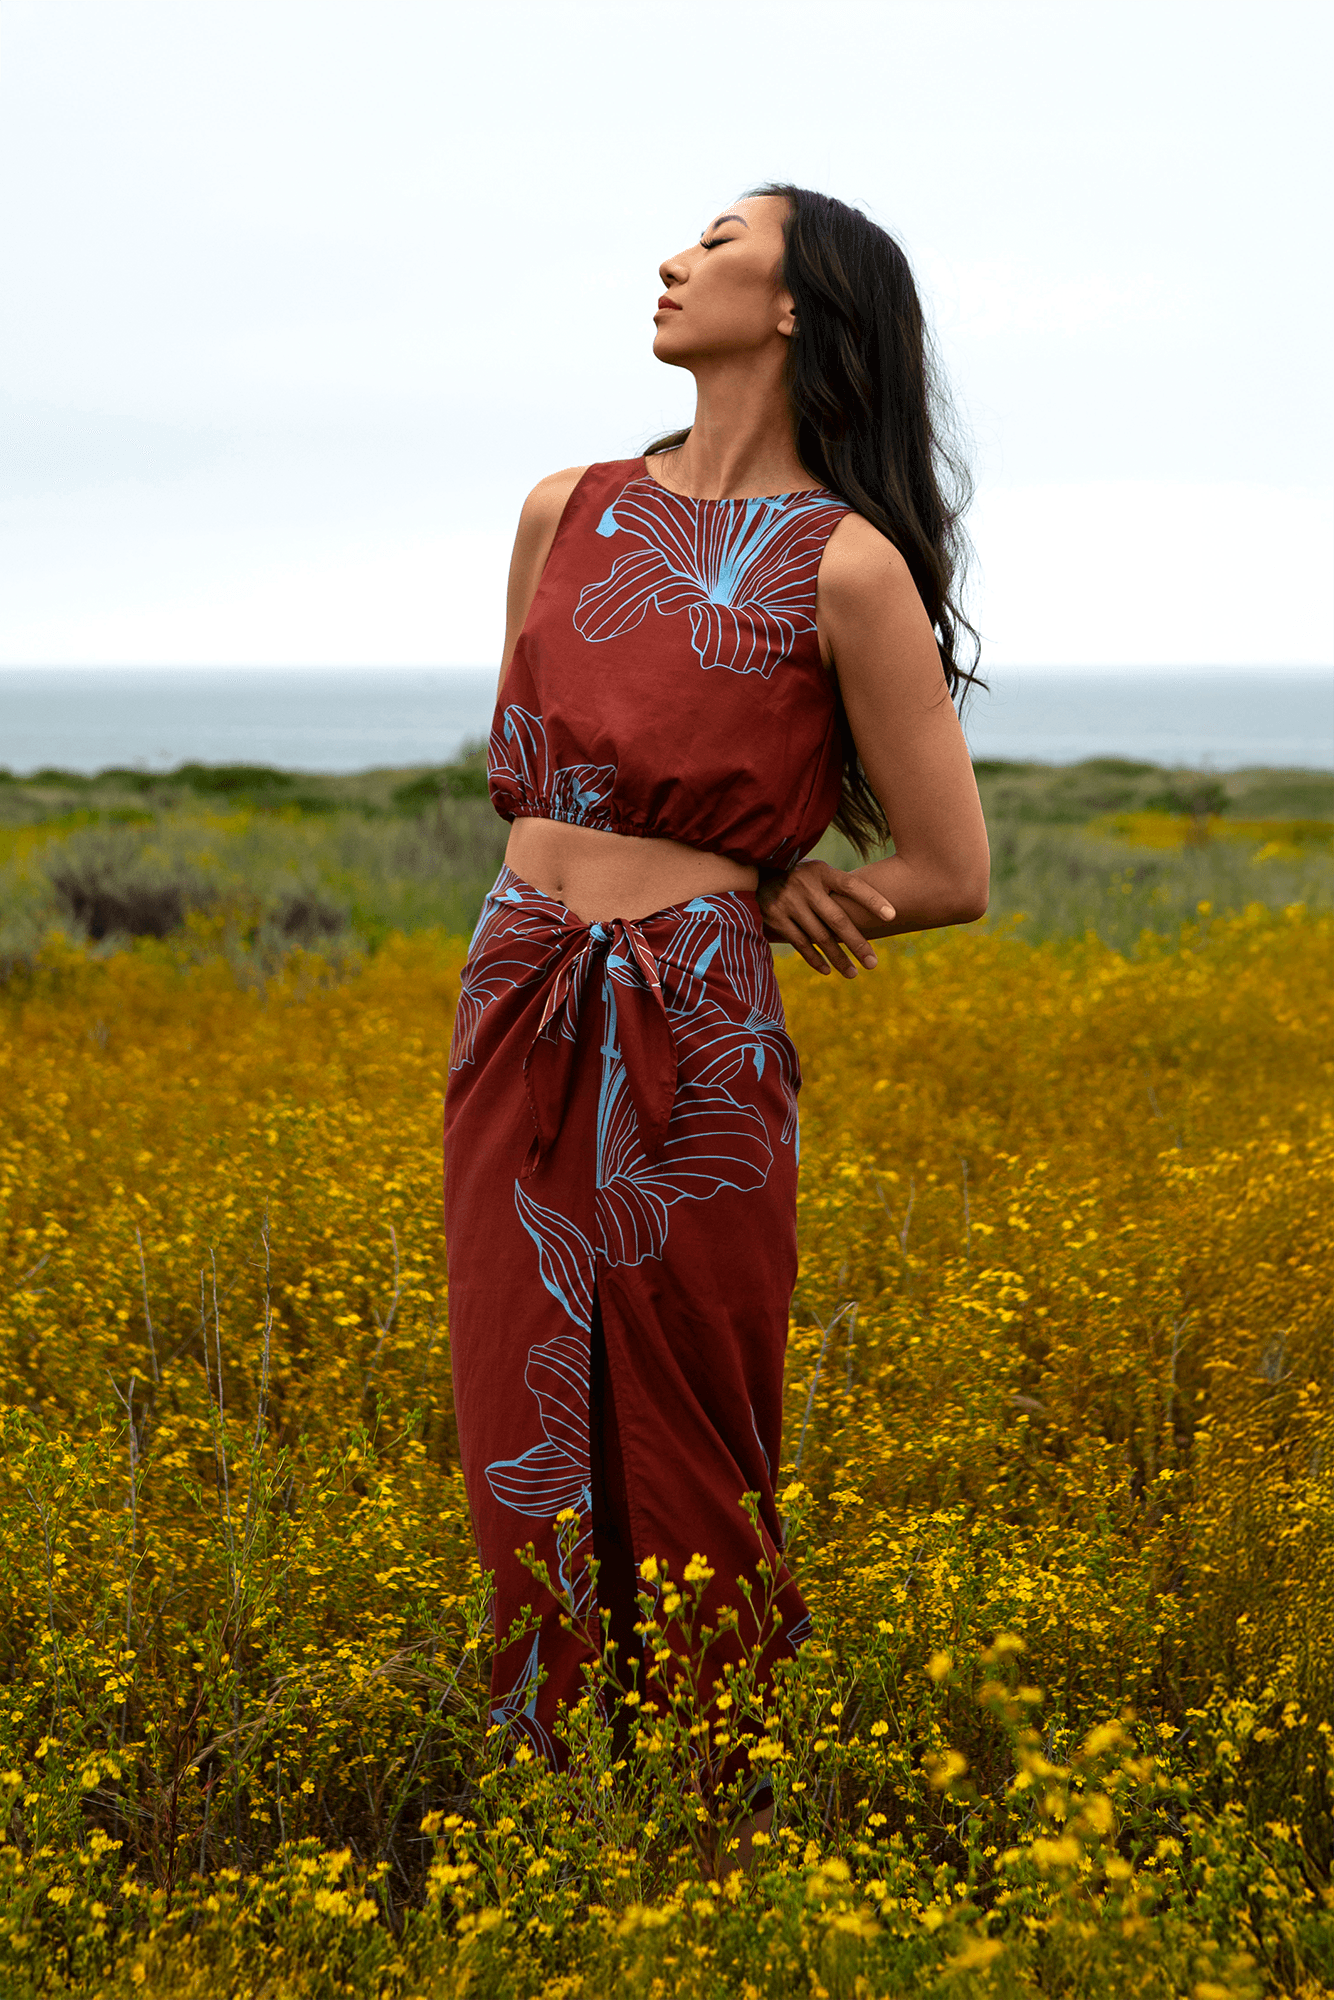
(913, 752)
(538, 523)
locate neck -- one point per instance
(741, 443)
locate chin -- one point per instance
(662, 349)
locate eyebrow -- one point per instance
(729, 218)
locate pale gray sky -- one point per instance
(301, 296)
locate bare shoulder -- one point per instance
(547, 501)
(860, 563)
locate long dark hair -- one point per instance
(873, 423)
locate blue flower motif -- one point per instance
(712, 1142)
(714, 1047)
(554, 1474)
(542, 1481)
(745, 571)
(518, 1709)
(508, 915)
(519, 758)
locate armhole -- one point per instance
(832, 669)
(570, 498)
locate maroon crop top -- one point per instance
(668, 681)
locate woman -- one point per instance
(711, 653)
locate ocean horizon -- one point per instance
(86, 719)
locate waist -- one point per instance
(599, 875)
(690, 985)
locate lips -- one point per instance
(668, 305)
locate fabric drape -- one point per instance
(621, 1142)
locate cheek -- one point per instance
(746, 298)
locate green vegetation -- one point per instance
(253, 860)
(1059, 1472)
(244, 858)
(1120, 847)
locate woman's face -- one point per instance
(723, 294)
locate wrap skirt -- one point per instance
(620, 1214)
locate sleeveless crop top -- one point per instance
(668, 682)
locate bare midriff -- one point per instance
(599, 876)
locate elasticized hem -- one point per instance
(601, 822)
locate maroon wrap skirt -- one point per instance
(620, 1215)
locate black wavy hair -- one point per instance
(873, 422)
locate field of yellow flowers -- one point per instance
(1059, 1488)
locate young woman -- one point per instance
(712, 652)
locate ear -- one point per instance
(787, 321)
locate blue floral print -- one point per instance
(519, 754)
(713, 1140)
(744, 570)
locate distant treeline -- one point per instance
(1056, 794)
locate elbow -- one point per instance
(950, 890)
(970, 898)
(977, 905)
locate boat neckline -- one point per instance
(729, 499)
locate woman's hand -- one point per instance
(800, 910)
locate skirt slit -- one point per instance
(613, 1539)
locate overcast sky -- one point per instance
(301, 296)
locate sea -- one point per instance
(85, 719)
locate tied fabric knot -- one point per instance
(644, 1034)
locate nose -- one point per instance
(673, 270)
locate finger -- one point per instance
(821, 936)
(790, 933)
(857, 887)
(816, 919)
(817, 944)
(836, 921)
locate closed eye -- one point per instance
(713, 243)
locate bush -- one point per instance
(232, 780)
(307, 918)
(453, 782)
(106, 888)
(1199, 798)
